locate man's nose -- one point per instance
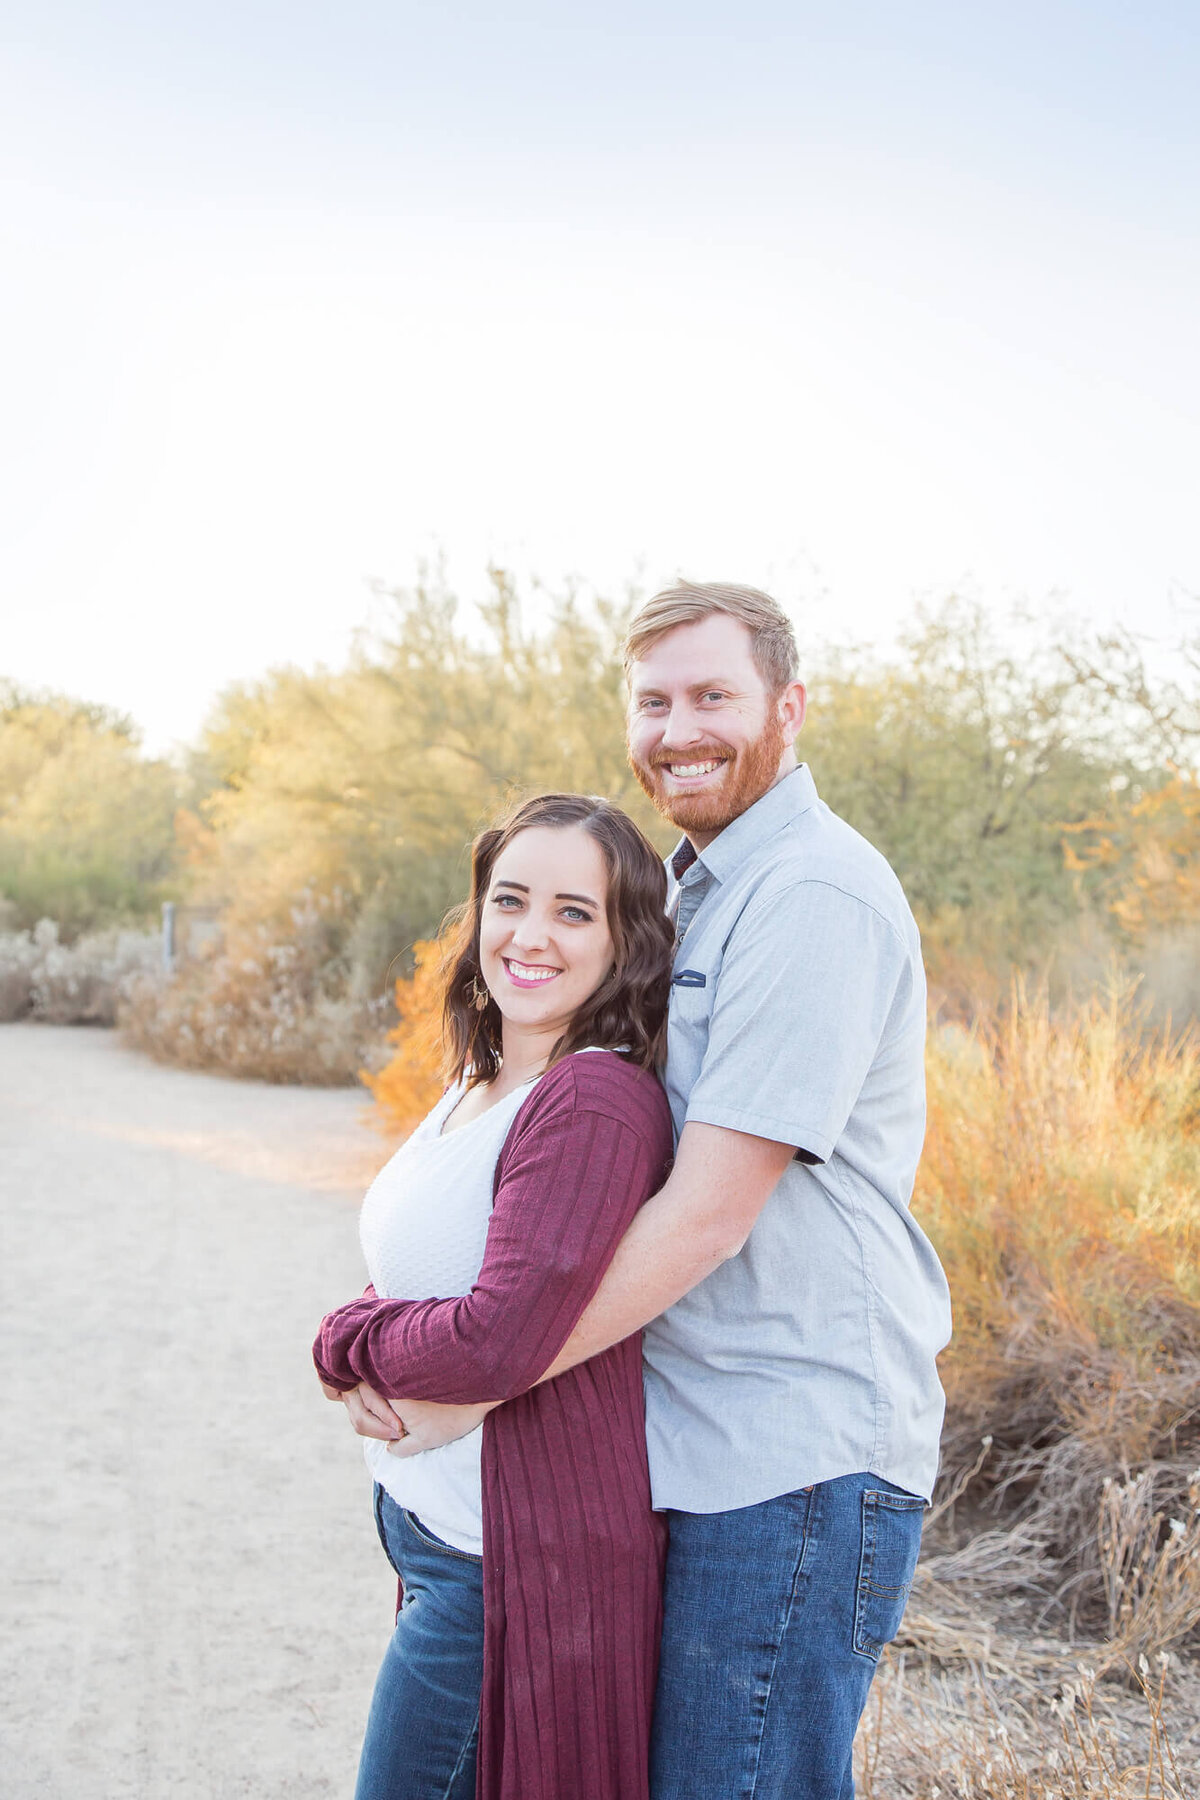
(682, 726)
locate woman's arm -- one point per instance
(587, 1147)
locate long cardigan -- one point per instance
(572, 1553)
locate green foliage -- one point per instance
(969, 756)
(962, 759)
(86, 822)
(369, 784)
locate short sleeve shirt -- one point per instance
(798, 1014)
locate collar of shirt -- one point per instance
(794, 795)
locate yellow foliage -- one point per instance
(411, 1081)
(1061, 1174)
(1146, 863)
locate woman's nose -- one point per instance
(531, 931)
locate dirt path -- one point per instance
(194, 1602)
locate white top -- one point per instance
(423, 1228)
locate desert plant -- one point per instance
(410, 1081)
(967, 1736)
(86, 821)
(261, 1004)
(1150, 1568)
(1060, 1183)
(18, 957)
(83, 983)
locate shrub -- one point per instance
(411, 1080)
(1059, 1183)
(18, 956)
(71, 984)
(260, 1004)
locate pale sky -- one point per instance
(860, 303)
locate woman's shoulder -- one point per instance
(604, 1081)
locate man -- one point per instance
(793, 1308)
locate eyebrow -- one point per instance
(694, 687)
(584, 898)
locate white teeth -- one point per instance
(684, 769)
(527, 972)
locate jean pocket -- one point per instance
(891, 1543)
(431, 1541)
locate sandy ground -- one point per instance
(194, 1603)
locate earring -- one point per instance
(479, 996)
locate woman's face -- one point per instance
(544, 941)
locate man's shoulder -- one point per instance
(819, 848)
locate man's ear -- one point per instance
(792, 704)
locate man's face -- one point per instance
(706, 739)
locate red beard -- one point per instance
(748, 774)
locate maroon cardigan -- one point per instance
(572, 1553)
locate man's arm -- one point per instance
(700, 1217)
(806, 988)
(588, 1145)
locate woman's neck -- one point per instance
(523, 1055)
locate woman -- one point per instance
(529, 1558)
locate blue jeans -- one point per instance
(424, 1722)
(774, 1619)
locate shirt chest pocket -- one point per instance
(692, 996)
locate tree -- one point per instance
(962, 759)
(370, 783)
(86, 822)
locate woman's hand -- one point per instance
(370, 1414)
(428, 1424)
(406, 1426)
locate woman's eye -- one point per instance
(505, 900)
(576, 915)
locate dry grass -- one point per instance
(1150, 1568)
(1048, 1648)
(1061, 1184)
(969, 1734)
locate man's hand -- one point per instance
(428, 1424)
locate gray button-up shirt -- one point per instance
(798, 1014)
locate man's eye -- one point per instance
(713, 694)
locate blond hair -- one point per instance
(772, 641)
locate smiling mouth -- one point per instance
(528, 974)
(693, 771)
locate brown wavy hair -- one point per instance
(628, 1011)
